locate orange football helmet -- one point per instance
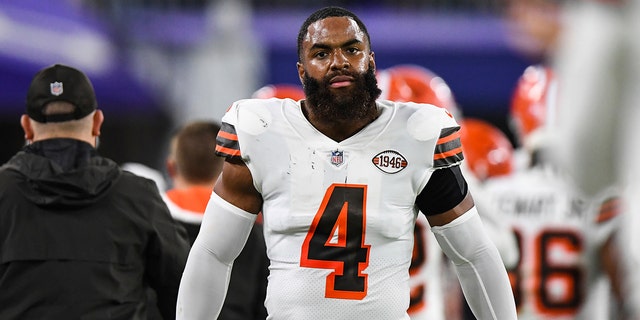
(487, 149)
(282, 90)
(409, 82)
(532, 102)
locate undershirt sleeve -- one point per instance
(446, 189)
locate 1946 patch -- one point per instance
(389, 161)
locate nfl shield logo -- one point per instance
(337, 157)
(56, 88)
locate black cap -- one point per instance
(60, 83)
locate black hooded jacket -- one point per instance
(82, 239)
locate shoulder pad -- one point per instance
(428, 120)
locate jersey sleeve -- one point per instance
(608, 217)
(446, 189)
(227, 145)
(448, 150)
(431, 123)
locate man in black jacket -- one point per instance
(80, 238)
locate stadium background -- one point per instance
(156, 64)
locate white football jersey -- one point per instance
(339, 216)
(559, 233)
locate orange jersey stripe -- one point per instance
(451, 137)
(448, 150)
(227, 151)
(228, 135)
(608, 210)
(446, 154)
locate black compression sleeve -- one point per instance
(446, 189)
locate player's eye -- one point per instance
(320, 54)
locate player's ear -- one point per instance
(301, 72)
(372, 61)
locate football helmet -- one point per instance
(414, 83)
(281, 90)
(487, 150)
(532, 104)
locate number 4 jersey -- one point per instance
(339, 216)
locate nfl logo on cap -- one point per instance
(56, 88)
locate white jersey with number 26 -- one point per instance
(559, 234)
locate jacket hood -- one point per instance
(63, 173)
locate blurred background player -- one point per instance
(533, 106)
(598, 66)
(487, 149)
(570, 261)
(598, 69)
(194, 168)
(588, 49)
(430, 279)
(410, 82)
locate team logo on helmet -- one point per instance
(390, 161)
(337, 157)
(56, 88)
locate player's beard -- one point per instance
(355, 102)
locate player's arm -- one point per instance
(235, 185)
(226, 225)
(614, 269)
(617, 265)
(459, 231)
(624, 283)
